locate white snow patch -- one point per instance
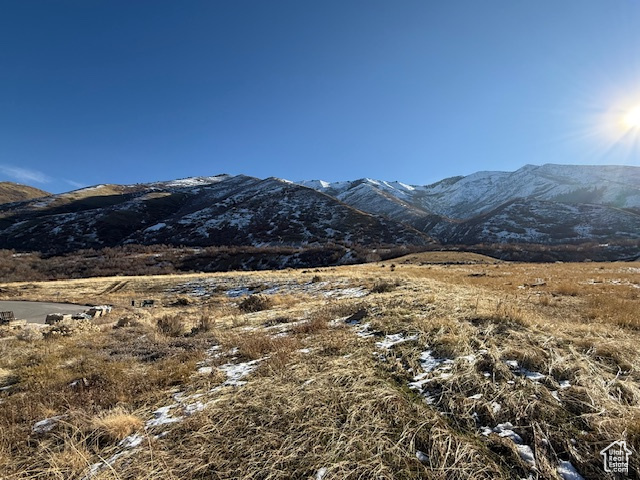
(214, 351)
(162, 416)
(391, 340)
(568, 472)
(156, 227)
(195, 181)
(192, 408)
(353, 292)
(131, 441)
(321, 473)
(535, 376)
(505, 430)
(429, 364)
(364, 330)
(529, 375)
(46, 425)
(239, 292)
(405, 186)
(236, 372)
(422, 457)
(527, 455)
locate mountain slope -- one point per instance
(15, 192)
(466, 197)
(547, 204)
(535, 221)
(223, 210)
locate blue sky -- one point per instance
(111, 91)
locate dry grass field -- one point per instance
(416, 368)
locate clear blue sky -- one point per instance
(114, 91)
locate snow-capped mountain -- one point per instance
(222, 210)
(465, 197)
(535, 204)
(550, 204)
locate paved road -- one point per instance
(36, 312)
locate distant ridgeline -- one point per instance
(556, 208)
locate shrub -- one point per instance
(316, 279)
(172, 326)
(314, 325)
(115, 426)
(206, 323)
(259, 345)
(29, 334)
(255, 303)
(278, 321)
(383, 287)
(124, 322)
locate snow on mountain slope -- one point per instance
(466, 197)
(549, 204)
(545, 222)
(223, 210)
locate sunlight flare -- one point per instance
(632, 118)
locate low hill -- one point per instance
(15, 192)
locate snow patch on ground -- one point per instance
(239, 292)
(352, 292)
(528, 374)
(321, 473)
(505, 430)
(391, 340)
(237, 371)
(46, 425)
(162, 416)
(568, 472)
(131, 441)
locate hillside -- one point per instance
(466, 197)
(14, 192)
(550, 205)
(212, 211)
(472, 371)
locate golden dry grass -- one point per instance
(318, 396)
(114, 426)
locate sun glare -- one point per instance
(632, 118)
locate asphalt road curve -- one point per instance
(36, 312)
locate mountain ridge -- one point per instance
(548, 205)
(16, 192)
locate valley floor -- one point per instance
(411, 370)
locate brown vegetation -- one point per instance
(308, 386)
